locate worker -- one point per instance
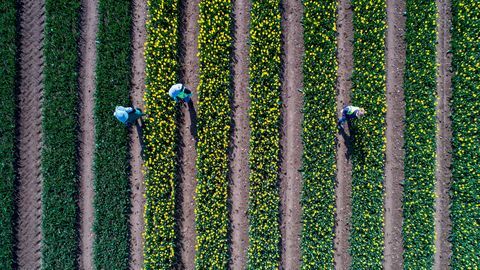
(180, 93)
(127, 115)
(349, 113)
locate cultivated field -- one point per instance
(254, 173)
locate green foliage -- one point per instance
(319, 129)
(160, 134)
(419, 87)
(368, 79)
(265, 92)
(214, 128)
(60, 125)
(8, 49)
(111, 160)
(465, 209)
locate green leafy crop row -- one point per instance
(465, 209)
(319, 129)
(215, 44)
(161, 56)
(264, 69)
(111, 160)
(8, 50)
(419, 87)
(368, 79)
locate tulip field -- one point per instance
(42, 194)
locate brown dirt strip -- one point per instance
(89, 20)
(394, 173)
(443, 223)
(29, 180)
(137, 224)
(241, 137)
(188, 153)
(291, 141)
(343, 188)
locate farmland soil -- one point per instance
(188, 154)
(29, 136)
(89, 21)
(291, 141)
(240, 139)
(443, 223)
(394, 173)
(137, 225)
(343, 188)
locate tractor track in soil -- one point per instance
(443, 223)
(28, 230)
(136, 221)
(343, 187)
(189, 76)
(394, 165)
(87, 45)
(239, 181)
(291, 139)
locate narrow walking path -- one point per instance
(188, 154)
(443, 223)
(395, 117)
(89, 21)
(29, 184)
(291, 142)
(137, 224)
(343, 187)
(241, 138)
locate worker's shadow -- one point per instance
(139, 127)
(193, 120)
(348, 138)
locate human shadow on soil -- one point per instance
(193, 120)
(139, 125)
(348, 138)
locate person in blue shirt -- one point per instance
(349, 113)
(127, 115)
(180, 93)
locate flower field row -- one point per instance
(215, 44)
(8, 50)
(265, 92)
(60, 125)
(160, 134)
(465, 193)
(319, 129)
(420, 95)
(368, 91)
(111, 166)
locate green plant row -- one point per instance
(60, 125)
(215, 45)
(265, 93)
(465, 190)
(368, 91)
(160, 133)
(420, 96)
(8, 73)
(319, 129)
(111, 159)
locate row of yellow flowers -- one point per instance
(465, 210)
(264, 69)
(419, 88)
(319, 129)
(160, 134)
(368, 91)
(214, 129)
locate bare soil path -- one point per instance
(241, 137)
(137, 224)
(291, 141)
(89, 21)
(29, 180)
(188, 154)
(394, 173)
(343, 188)
(443, 223)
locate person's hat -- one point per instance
(122, 116)
(361, 112)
